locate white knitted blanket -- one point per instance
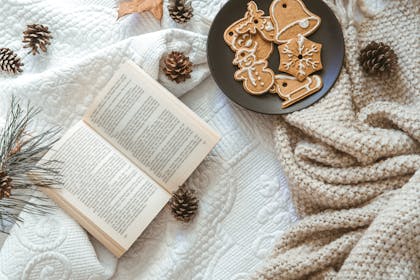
(244, 200)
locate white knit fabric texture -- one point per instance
(244, 200)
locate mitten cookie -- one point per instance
(290, 18)
(254, 72)
(300, 57)
(292, 90)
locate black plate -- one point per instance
(220, 56)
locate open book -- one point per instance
(135, 146)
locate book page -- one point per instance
(150, 126)
(115, 199)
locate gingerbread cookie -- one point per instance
(237, 41)
(252, 29)
(255, 21)
(291, 90)
(251, 39)
(290, 18)
(300, 57)
(254, 72)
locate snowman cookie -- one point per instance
(257, 78)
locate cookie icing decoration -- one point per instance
(300, 57)
(290, 18)
(291, 90)
(252, 20)
(256, 76)
(252, 38)
(236, 40)
(255, 21)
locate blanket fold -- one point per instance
(353, 162)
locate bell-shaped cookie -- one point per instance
(290, 18)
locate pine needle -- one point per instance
(21, 152)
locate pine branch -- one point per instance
(23, 172)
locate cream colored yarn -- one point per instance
(353, 161)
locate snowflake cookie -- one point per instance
(300, 57)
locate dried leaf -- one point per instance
(139, 6)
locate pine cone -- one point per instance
(5, 185)
(180, 11)
(177, 67)
(378, 58)
(9, 61)
(184, 204)
(36, 36)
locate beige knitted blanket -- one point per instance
(353, 162)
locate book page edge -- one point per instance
(114, 247)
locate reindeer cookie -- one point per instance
(237, 41)
(255, 21)
(253, 28)
(290, 18)
(256, 76)
(291, 90)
